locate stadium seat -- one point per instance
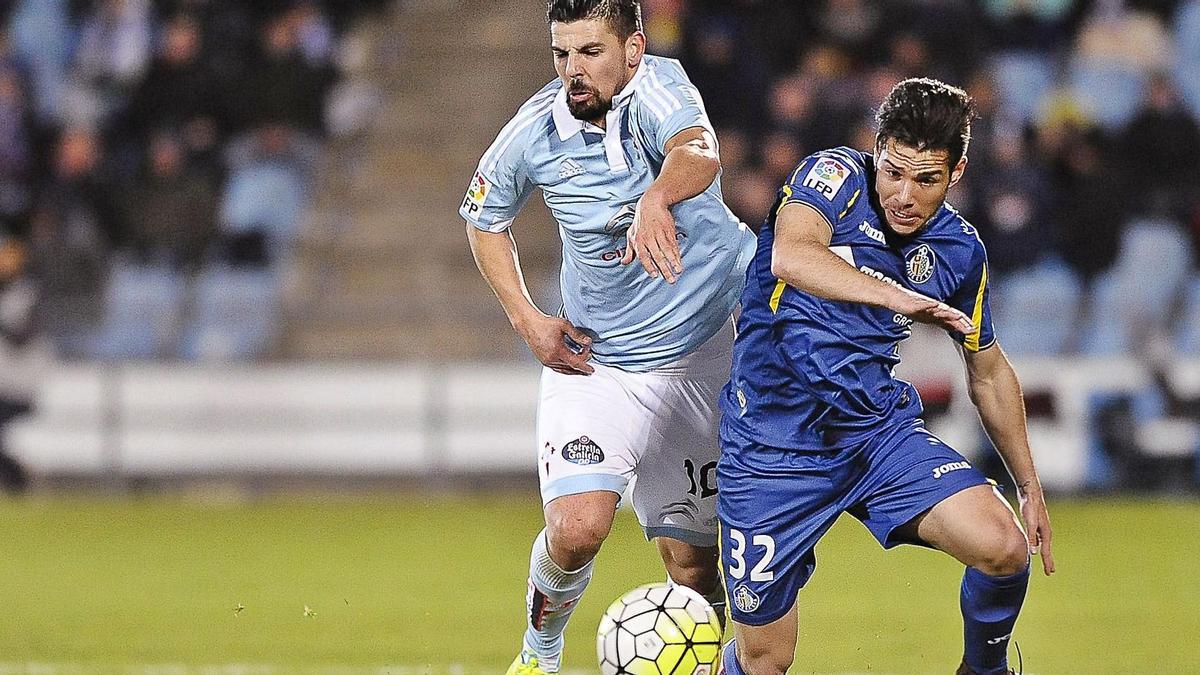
(1187, 62)
(1134, 298)
(1110, 93)
(40, 35)
(235, 316)
(1187, 330)
(1023, 78)
(268, 196)
(142, 314)
(1143, 406)
(1035, 309)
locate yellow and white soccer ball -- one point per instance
(659, 630)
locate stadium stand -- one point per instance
(151, 145)
(199, 183)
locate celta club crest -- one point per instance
(920, 263)
(621, 221)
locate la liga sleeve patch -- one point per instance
(827, 177)
(476, 195)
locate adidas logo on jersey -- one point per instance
(570, 168)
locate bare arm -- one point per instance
(801, 258)
(996, 393)
(691, 165)
(496, 256)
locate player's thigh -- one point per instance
(977, 527)
(676, 489)
(774, 506)
(769, 648)
(909, 472)
(583, 436)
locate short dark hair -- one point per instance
(928, 115)
(623, 16)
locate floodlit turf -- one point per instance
(103, 585)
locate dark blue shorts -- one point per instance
(774, 504)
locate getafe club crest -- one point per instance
(745, 599)
(920, 264)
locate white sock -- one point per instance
(552, 595)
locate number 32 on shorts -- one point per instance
(737, 569)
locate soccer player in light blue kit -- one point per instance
(857, 247)
(626, 159)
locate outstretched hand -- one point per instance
(652, 240)
(1037, 525)
(547, 339)
(927, 310)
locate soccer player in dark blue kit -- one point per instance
(858, 247)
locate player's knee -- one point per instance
(576, 538)
(767, 658)
(1009, 555)
(694, 567)
(696, 576)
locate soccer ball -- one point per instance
(659, 630)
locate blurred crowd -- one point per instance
(155, 160)
(1084, 174)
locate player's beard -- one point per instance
(594, 109)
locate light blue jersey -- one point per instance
(592, 179)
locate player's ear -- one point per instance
(635, 48)
(957, 173)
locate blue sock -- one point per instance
(552, 595)
(729, 660)
(989, 607)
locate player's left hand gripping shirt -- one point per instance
(591, 179)
(816, 374)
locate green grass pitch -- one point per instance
(435, 584)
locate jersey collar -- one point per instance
(566, 124)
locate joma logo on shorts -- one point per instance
(951, 466)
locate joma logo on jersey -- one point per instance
(920, 263)
(951, 466)
(583, 451)
(872, 232)
(826, 177)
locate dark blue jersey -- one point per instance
(816, 374)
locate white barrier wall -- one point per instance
(181, 419)
(171, 420)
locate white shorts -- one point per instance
(599, 432)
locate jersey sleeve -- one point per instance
(972, 299)
(669, 104)
(500, 186)
(831, 182)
